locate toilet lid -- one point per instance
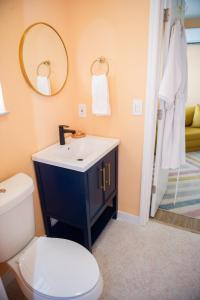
(58, 268)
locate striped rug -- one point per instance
(188, 196)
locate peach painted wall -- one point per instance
(117, 30)
(33, 119)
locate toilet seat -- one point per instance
(58, 268)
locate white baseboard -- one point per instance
(126, 217)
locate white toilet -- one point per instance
(45, 268)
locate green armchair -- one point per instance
(192, 131)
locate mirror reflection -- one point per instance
(43, 59)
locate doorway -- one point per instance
(185, 209)
(156, 26)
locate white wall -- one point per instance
(193, 53)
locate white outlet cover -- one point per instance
(82, 110)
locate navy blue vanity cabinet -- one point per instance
(78, 205)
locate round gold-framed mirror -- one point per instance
(43, 59)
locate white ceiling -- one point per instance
(192, 9)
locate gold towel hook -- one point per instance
(47, 63)
(101, 60)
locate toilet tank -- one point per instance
(17, 222)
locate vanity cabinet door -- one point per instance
(95, 188)
(109, 163)
(62, 193)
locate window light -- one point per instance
(3, 110)
(193, 35)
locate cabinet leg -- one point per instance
(115, 207)
(87, 239)
(47, 225)
(115, 215)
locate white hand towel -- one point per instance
(100, 95)
(43, 85)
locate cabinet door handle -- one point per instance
(108, 181)
(109, 174)
(104, 179)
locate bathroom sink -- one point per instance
(77, 154)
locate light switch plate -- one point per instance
(82, 111)
(137, 107)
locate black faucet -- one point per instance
(62, 130)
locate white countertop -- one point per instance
(77, 154)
